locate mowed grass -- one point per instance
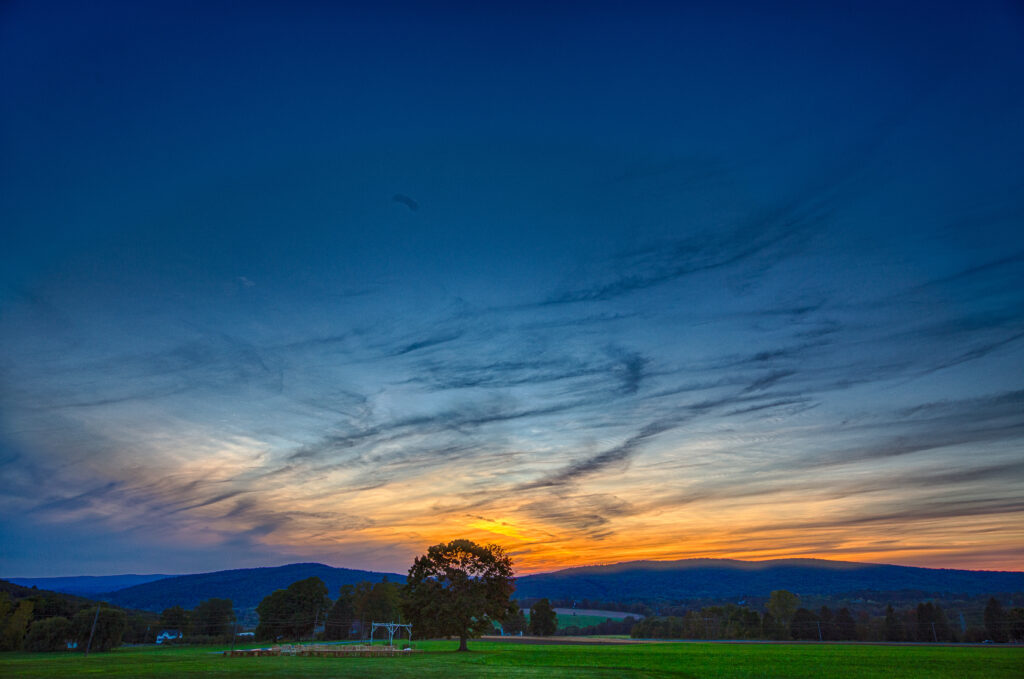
(497, 659)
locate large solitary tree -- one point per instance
(458, 589)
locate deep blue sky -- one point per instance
(598, 282)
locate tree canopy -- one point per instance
(543, 620)
(293, 612)
(515, 623)
(110, 625)
(457, 589)
(995, 620)
(175, 618)
(361, 604)
(213, 618)
(14, 623)
(49, 634)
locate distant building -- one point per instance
(168, 635)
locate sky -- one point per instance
(593, 281)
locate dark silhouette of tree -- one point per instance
(995, 621)
(828, 624)
(782, 605)
(931, 623)
(360, 605)
(380, 602)
(14, 622)
(293, 612)
(515, 622)
(342, 616)
(1015, 620)
(845, 625)
(175, 618)
(894, 630)
(457, 589)
(110, 626)
(213, 618)
(50, 634)
(543, 620)
(804, 625)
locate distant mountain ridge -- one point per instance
(246, 587)
(627, 582)
(691, 579)
(87, 585)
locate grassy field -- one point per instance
(495, 659)
(566, 620)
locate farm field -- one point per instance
(595, 612)
(497, 659)
(568, 620)
(583, 617)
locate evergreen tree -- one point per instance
(995, 621)
(894, 630)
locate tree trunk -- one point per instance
(462, 643)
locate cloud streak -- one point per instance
(801, 298)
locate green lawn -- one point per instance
(496, 659)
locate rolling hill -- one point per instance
(87, 585)
(646, 582)
(691, 579)
(245, 587)
(50, 603)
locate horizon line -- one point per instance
(10, 578)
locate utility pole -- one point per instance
(93, 630)
(819, 629)
(934, 635)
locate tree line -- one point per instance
(303, 610)
(461, 589)
(40, 620)
(212, 620)
(785, 620)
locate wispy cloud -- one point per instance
(771, 304)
